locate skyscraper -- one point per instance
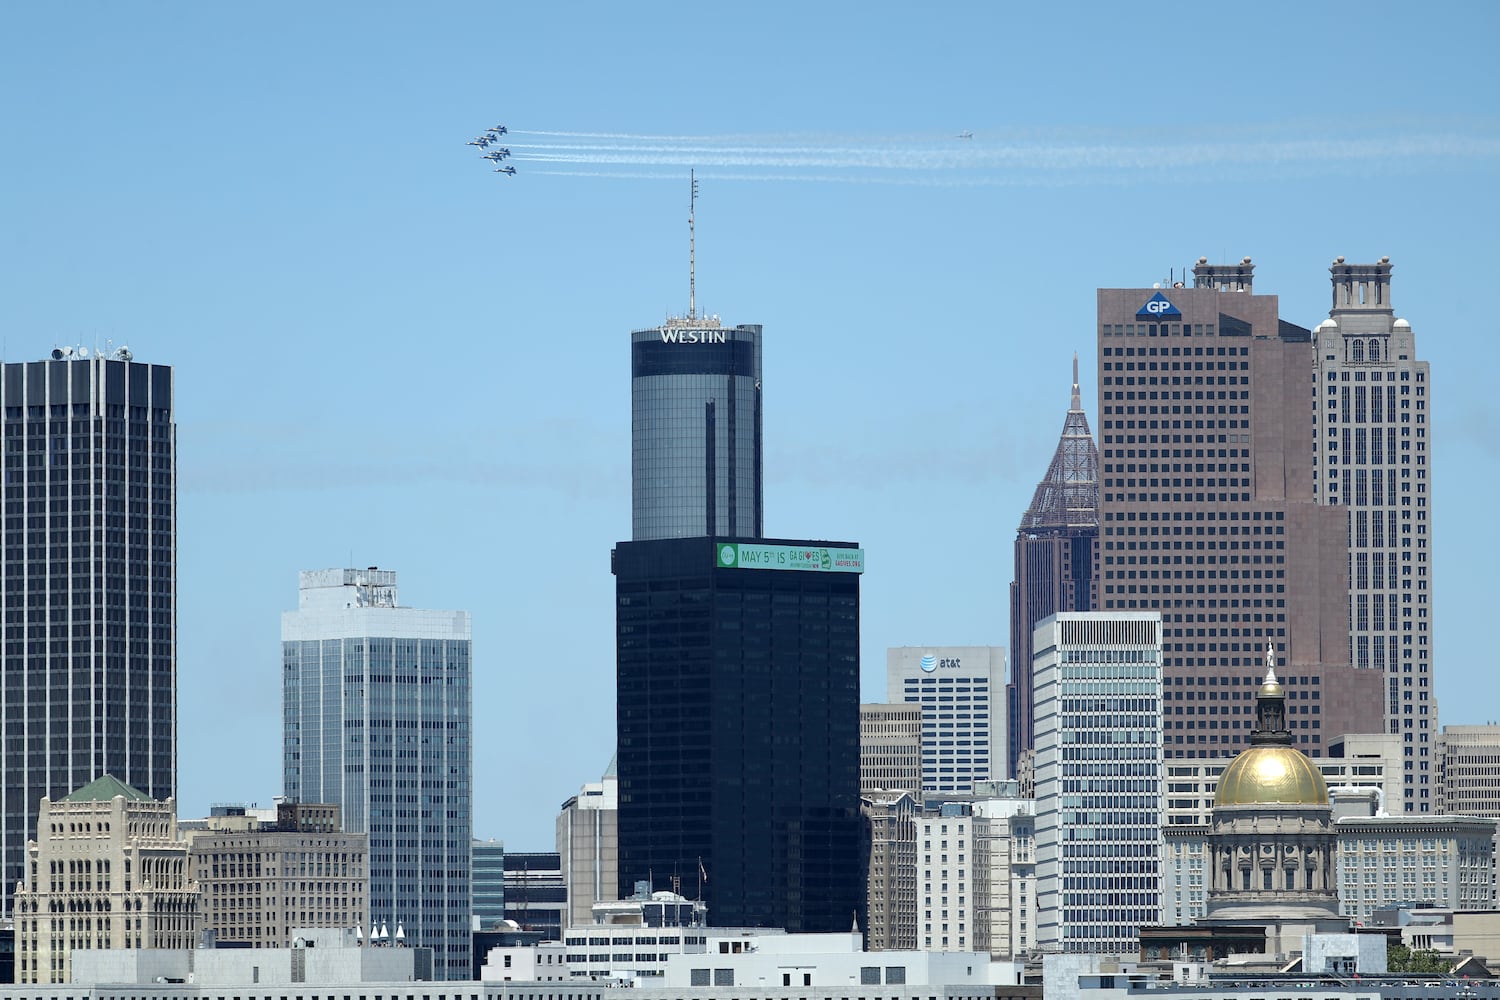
(963, 722)
(695, 409)
(1098, 779)
(1056, 557)
(1208, 513)
(90, 562)
(1374, 456)
(737, 669)
(736, 657)
(377, 712)
(588, 846)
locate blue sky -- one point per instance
(388, 354)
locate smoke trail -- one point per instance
(969, 162)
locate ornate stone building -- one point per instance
(107, 870)
(1272, 839)
(1271, 850)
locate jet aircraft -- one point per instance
(506, 170)
(498, 130)
(965, 134)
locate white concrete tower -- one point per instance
(1098, 686)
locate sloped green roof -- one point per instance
(104, 788)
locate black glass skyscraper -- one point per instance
(695, 400)
(90, 570)
(738, 724)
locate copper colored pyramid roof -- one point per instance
(1068, 496)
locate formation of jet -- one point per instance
(965, 134)
(499, 153)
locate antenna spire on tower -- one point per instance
(1077, 401)
(692, 250)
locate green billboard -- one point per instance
(814, 558)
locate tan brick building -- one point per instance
(262, 882)
(890, 748)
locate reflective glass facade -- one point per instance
(695, 395)
(90, 569)
(738, 726)
(376, 702)
(488, 882)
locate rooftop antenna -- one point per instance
(1077, 402)
(692, 249)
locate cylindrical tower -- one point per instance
(695, 396)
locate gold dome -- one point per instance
(1264, 775)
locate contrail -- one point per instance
(968, 162)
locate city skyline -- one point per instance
(385, 354)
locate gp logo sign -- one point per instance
(1157, 307)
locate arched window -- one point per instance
(1356, 350)
(1374, 350)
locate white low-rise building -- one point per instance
(630, 940)
(543, 962)
(829, 962)
(328, 955)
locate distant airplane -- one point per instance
(507, 170)
(476, 142)
(498, 130)
(497, 155)
(966, 134)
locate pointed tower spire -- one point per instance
(1068, 496)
